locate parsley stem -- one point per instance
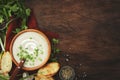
(5, 12)
(4, 77)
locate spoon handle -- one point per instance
(17, 69)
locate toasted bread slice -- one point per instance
(42, 77)
(0, 59)
(50, 69)
(6, 62)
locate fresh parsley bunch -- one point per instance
(15, 9)
(11, 10)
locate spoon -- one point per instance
(17, 69)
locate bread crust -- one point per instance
(50, 69)
(42, 77)
(47, 72)
(6, 62)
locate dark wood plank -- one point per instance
(89, 34)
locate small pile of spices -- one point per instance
(67, 73)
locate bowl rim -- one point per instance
(49, 49)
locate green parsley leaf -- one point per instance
(1, 19)
(28, 12)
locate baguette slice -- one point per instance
(42, 77)
(6, 62)
(0, 59)
(49, 70)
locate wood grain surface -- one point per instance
(89, 35)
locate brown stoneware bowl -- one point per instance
(31, 45)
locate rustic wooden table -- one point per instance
(89, 34)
